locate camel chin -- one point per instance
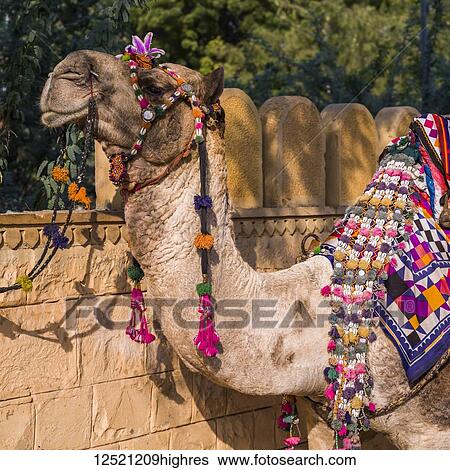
(255, 359)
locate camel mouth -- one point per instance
(51, 118)
(55, 119)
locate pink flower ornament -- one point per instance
(143, 47)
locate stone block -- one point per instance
(37, 353)
(80, 270)
(107, 196)
(293, 153)
(171, 400)
(393, 122)
(84, 270)
(243, 149)
(198, 436)
(209, 400)
(153, 441)
(13, 263)
(265, 422)
(236, 432)
(238, 402)
(63, 419)
(121, 410)
(160, 357)
(16, 425)
(351, 151)
(105, 351)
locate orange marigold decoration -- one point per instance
(79, 195)
(60, 174)
(203, 241)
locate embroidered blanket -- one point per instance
(415, 312)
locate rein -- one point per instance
(56, 238)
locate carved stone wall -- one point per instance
(351, 151)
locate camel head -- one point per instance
(66, 95)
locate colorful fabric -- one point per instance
(370, 234)
(416, 311)
(433, 132)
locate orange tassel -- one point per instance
(60, 174)
(197, 112)
(203, 241)
(79, 195)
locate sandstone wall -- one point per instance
(70, 378)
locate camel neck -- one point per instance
(163, 223)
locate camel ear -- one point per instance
(213, 85)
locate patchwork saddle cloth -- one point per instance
(415, 313)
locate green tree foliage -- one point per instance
(34, 36)
(328, 50)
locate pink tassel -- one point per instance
(325, 291)
(131, 328)
(331, 345)
(347, 443)
(207, 337)
(329, 392)
(141, 335)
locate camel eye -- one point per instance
(154, 90)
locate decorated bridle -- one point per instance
(137, 55)
(141, 54)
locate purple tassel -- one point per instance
(202, 201)
(207, 337)
(141, 335)
(53, 232)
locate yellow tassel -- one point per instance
(25, 283)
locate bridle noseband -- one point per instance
(184, 92)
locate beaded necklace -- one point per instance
(373, 230)
(141, 54)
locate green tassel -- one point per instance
(316, 250)
(135, 273)
(332, 374)
(199, 139)
(204, 288)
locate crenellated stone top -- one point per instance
(25, 229)
(22, 230)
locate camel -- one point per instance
(261, 355)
